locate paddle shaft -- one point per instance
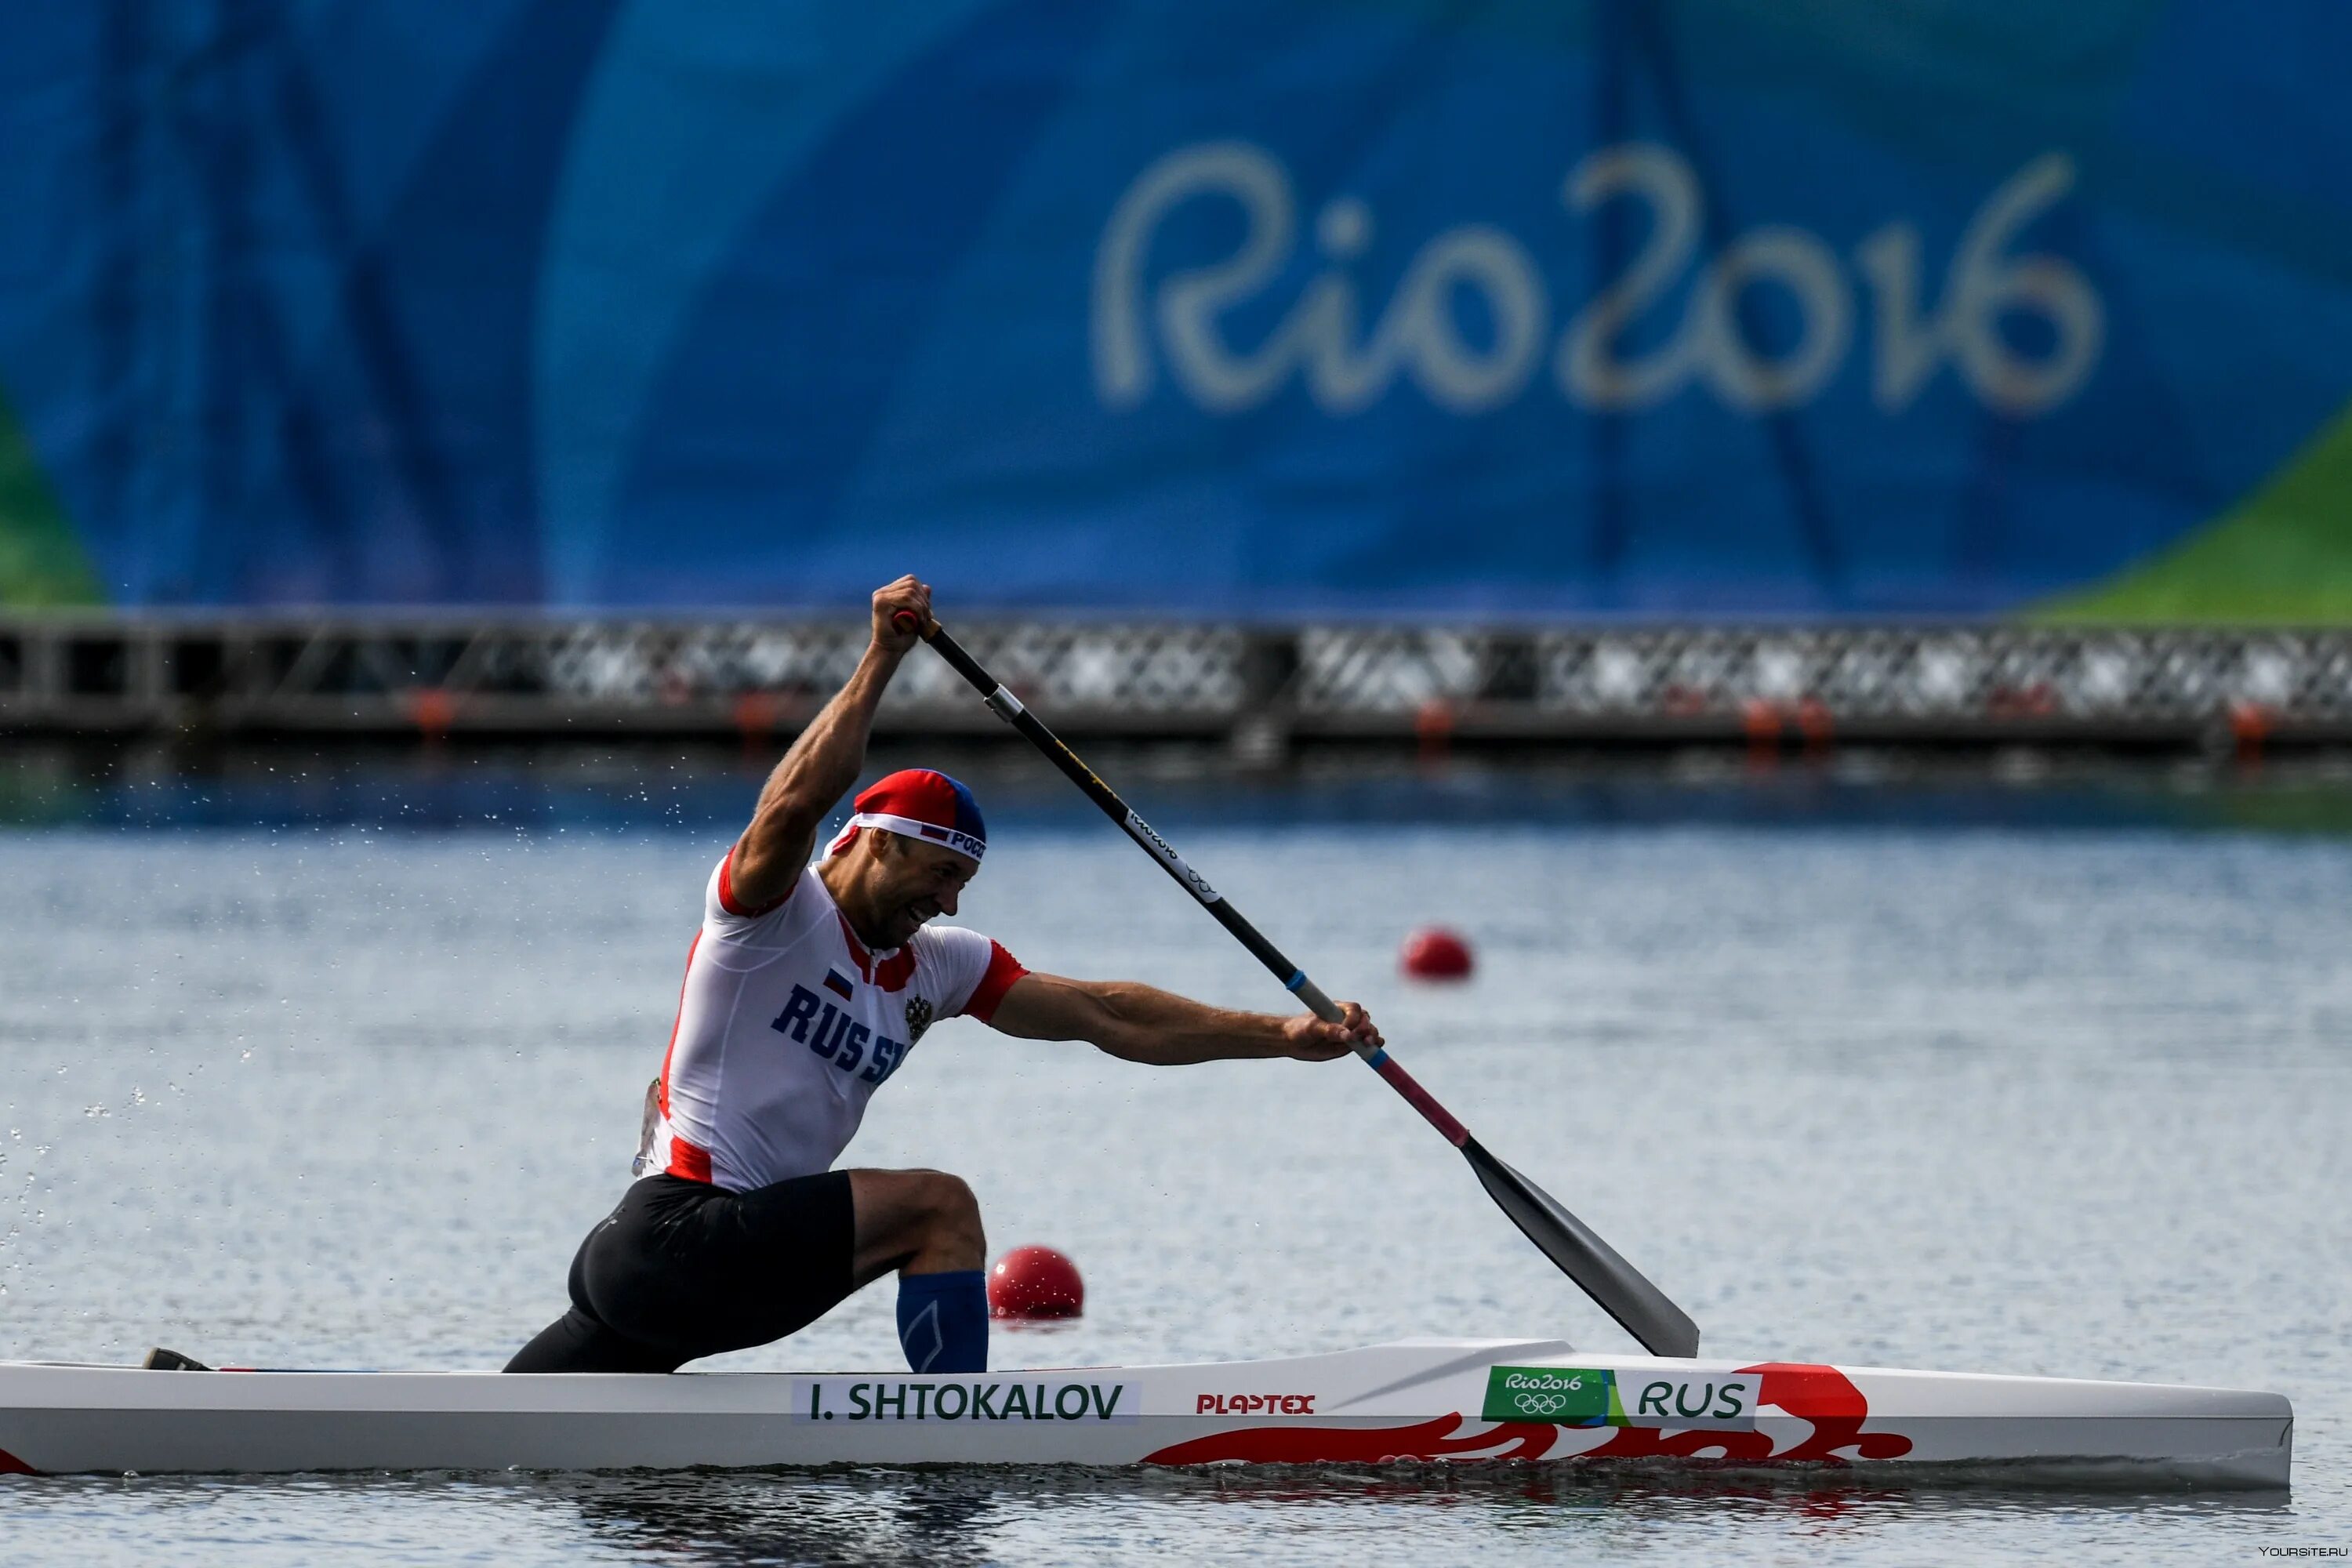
(1573, 1247)
(1008, 707)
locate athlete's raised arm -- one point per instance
(823, 762)
(1140, 1024)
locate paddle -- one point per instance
(1640, 1307)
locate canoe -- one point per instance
(1417, 1400)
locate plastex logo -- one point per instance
(1251, 1403)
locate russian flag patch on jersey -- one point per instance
(838, 983)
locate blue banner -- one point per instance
(1534, 308)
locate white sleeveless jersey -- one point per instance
(787, 1025)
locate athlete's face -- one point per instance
(913, 882)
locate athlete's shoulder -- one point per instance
(975, 970)
(944, 940)
(725, 915)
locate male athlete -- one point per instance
(805, 990)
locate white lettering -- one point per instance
(1419, 333)
(1806, 269)
(1544, 1380)
(1141, 832)
(1320, 343)
(1589, 372)
(1190, 301)
(1981, 288)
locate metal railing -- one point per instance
(1805, 684)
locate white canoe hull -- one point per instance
(1455, 1400)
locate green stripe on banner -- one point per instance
(2281, 557)
(41, 562)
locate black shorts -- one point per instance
(685, 1269)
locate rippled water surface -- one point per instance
(2056, 1091)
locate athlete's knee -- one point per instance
(928, 1219)
(950, 1211)
(949, 1201)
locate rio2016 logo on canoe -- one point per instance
(1593, 1397)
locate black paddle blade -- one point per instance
(1639, 1306)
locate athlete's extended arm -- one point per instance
(1143, 1025)
(823, 762)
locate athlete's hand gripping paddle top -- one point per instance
(807, 989)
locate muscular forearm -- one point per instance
(1142, 1024)
(824, 760)
(821, 766)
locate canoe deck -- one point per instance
(1418, 1400)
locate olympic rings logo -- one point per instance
(1540, 1403)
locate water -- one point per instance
(1980, 1082)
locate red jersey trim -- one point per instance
(686, 1160)
(891, 973)
(727, 891)
(1003, 969)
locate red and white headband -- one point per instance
(953, 838)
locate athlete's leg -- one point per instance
(581, 1341)
(682, 1270)
(696, 1271)
(926, 1225)
(917, 1222)
(578, 1342)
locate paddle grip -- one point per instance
(1318, 1003)
(905, 621)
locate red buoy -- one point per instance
(1035, 1282)
(1434, 952)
